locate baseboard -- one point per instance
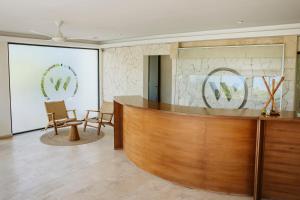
(6, 136)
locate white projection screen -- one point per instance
(48, 73)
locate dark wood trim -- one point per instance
(259, 159)
(118, 126)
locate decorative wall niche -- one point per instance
(228, 76)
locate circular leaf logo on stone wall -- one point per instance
(59, 82)
(224, 88)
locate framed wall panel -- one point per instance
(49, 73)
(228, 76)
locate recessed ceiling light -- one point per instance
(240, 21)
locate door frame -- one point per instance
(159, 73)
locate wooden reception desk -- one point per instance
(230, 151)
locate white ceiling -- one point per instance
(121, 19)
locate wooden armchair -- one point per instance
(58, 115)
(105, 115)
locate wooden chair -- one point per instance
(105, 115)
(58, 115)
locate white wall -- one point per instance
(298, 48)
(145, 76)
(5, 124)
(5, 115)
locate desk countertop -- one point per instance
(140, 102)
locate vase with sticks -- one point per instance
(272, 91)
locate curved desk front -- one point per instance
(212, 149)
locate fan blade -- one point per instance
(42, 34)
(82, 38)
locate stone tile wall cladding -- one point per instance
(251, 62)
(123, 72)
(123, 69)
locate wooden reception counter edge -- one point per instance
(230, 151)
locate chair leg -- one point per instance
(55, 130)
(86, 120)
(99, 129)
(84, 126)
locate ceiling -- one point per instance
(109, 20)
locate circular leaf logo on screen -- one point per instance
(224, 88)
(59, 82)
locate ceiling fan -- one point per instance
(59, 36)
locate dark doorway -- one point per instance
(154, 78)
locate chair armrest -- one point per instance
(93, 110)
(74, 113)
(88, 112)
(103, 113)
(107, 113)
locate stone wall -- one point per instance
(122, 68)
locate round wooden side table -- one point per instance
(73, 132)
